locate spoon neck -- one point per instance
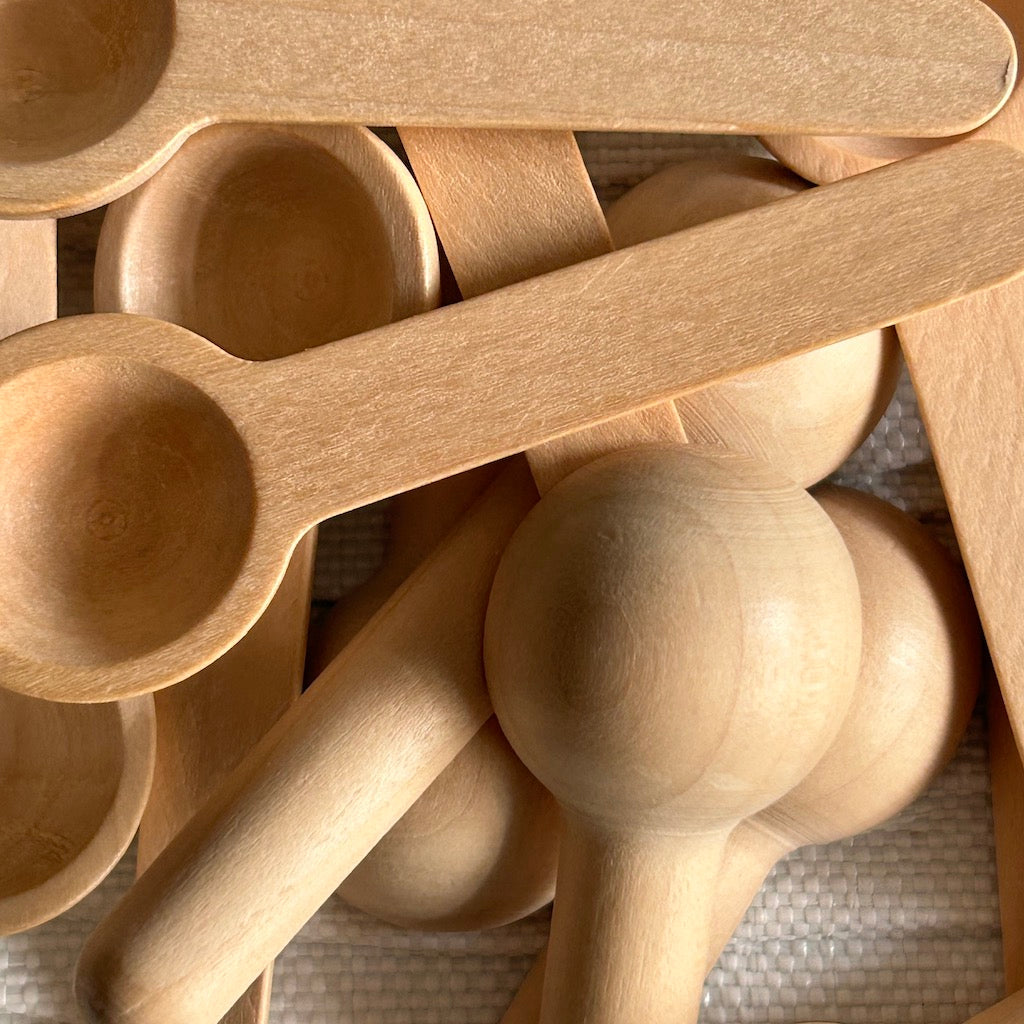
(631, 925)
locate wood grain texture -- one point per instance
(361, 745)
(606, 583)
(829, 158)
(28, 274)
(75, 782)
(510, 206)
(918, 680)
(78, 133)
(804, 415)
(266, 240)
(1007, 774)
(271, 449)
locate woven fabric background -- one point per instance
(897, 925)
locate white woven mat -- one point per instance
(898, 925)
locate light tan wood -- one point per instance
(361, 745)
(96, 94)
(216, 463)
(918, 681)
(830, 158)
(1007, 774)
(478, 849)
(1007, 1011)
(654, 744)
(28, 274)
(805, 415)
(547, 217)
(419, 521)
(73, 784)
(266, 241)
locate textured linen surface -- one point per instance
(897, 925)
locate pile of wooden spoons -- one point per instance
(617, 654)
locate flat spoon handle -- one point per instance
(547, 217)
(503, 372)
(671, 65)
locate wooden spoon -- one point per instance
(672, 640)
(420, 690)
(28, 274)
(73, 784)
(965, 364)
(266, 240)
(73, 780)
(805, 415)
(830, 158)
(96, 94)
(214, 464)
(918, 681)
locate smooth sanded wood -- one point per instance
(359, 747)
(274, 447)
(1007, 774)
(28, 274)
(918, 680)
(266, 240)
(512, 205)
(804, 415)
(607, 582)
(829, 158)
(76, 133)
(73, 784)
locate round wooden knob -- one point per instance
(74, 779)
(672, 640)
(806, 414)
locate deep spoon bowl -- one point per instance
(191, 496)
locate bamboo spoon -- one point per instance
(805, 415)
(672, 640)
(73, 784)
(266, 240)
(830, 158)
(96, 94)
(917, 685)
(206, 464)
(478, 849)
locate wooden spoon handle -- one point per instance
(28, 274)
(338, 770)
(743, 66)
(512, 369)
(638, 952)
(548, 217)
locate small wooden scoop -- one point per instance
(96, 94)
(266, 240)
(146, 542)
(672, 641)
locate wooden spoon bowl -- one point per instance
(270, 240)
(271, 448)
(73, 784)
(73, 73)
